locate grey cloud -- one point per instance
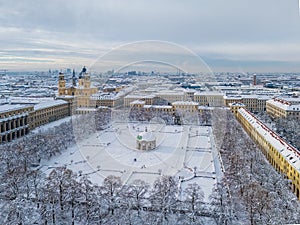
(74, 27)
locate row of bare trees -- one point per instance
(64, 197)
(170, 118)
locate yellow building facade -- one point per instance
(17, 120)
(180, 106)
(282, 156)
(253, 103)
(82, 91)
(14, 122)
(47, 112)
(280, 108)
(131, 98)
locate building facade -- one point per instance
(81, 90)
(254, 103)
(281, 108)
(111, 100)
(17, 120)
(213, 99)
(185, 106)
(14, 122)
(281, 155)
(134, 97)
(47, 112)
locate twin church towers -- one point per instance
(80, 88)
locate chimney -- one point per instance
(254, 79)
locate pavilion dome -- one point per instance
(146, 136)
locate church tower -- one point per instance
(74, 79)
(87, 80)
(61, 84)
(81, 77)
(81, 88)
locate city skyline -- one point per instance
(248, 36)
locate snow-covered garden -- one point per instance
(81, 171)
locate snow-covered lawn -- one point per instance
(186, 152)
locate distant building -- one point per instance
(134, 97)
(286, 108)
(172, 95)
(185, 106)
(110, 99)
(213, 99)
(254, 103)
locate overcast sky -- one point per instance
(231, 35)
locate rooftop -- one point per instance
(283, 104)
(158, 106)
(140, 102)
(214, 93)
(7, 108)
(185, 103)
(139, 96)
(237, 104)
(48, 104)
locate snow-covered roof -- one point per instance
(205, 107)
(158, 106)
(27, 100)
(209, 93)
(48, 104)
(138, 96)
(189, 90)
(170, 93)
(87, 109)
(290, 153)
(237, 104)
(240, 97)
(66, 96)
(292, 100)
(233, 97)
(263, 97)
(108, 95)
(250, 96)
(185, 103)
(7, 108)
(283, 104)
(137, 102)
